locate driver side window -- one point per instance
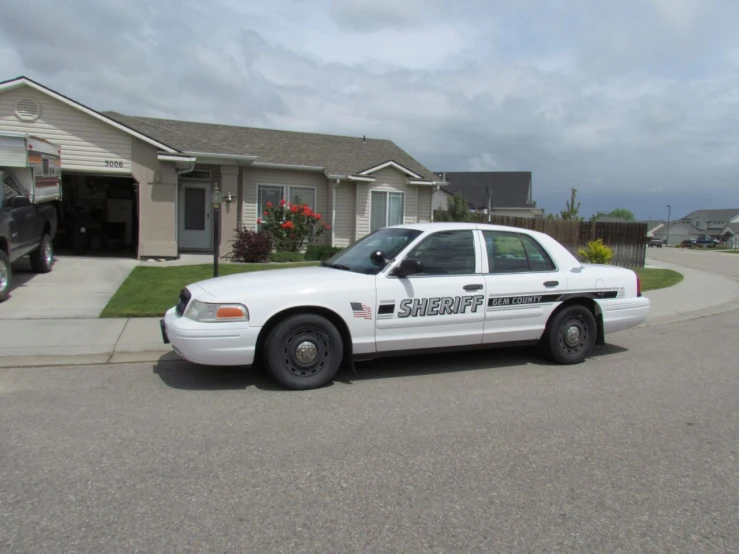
(446, 253)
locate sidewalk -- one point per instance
(45, 342)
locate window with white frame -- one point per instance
(291, 194)
(387, 208)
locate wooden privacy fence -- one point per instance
(627, 240)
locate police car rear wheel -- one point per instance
(571, 336)
(303, 351)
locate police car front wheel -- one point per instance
(303, 352)
(571, 335)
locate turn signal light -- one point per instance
(638, 285)
(230, 312)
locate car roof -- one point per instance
(447, 225)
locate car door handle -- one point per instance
(472, 287)
(551, 283)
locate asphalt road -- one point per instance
(633, 451)
(705, 259)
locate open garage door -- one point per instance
(100, 216)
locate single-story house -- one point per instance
(677, 232)
(506, 193)
(151, 180)
(653, 226)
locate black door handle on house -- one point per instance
(551, 283)
(472, 287)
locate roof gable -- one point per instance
(25, 81)
(723, 214)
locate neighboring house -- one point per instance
(505, 193)
(653, 226)
(678, 232)
(150, 181)
(711, 222)
(730, 235)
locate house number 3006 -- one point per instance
(113, 163)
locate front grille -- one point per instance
(182, 302)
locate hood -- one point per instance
(293, 279)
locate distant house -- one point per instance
(495, 192)
(730, 235)
(697, 224)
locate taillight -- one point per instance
(638, 285)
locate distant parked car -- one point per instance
(709, 242)
(655, 242)
(687, 243)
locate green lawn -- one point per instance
(151, 291)
(652, 278)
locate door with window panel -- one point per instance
(195, 215)
(523, 286)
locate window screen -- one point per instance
(194, 209)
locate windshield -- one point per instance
(357, 256)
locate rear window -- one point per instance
(515, 253)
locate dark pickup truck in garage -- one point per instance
(30, 172)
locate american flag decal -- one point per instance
(361, 311)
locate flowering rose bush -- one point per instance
(291, 226)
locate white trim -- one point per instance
(40, 88)
(387, 194)
(202, 156)
(362, 179)
(390, 164)
(427, 183)
(175, 158)
(267, 165)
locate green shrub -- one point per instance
(596, 252)
(320, 252)
(249, 246)
(283, 256)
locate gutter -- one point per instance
(333, 211)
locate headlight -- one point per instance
(208, 313)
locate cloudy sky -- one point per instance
(633, 102)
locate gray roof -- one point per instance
(725, 214)
(337, 154)
(508, 189)
(611, 219)
(733, 227)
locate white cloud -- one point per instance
(630, 101)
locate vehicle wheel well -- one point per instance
(332, 316)
(47, 229)
(591, 305)
(4, 246)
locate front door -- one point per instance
(444, 306)
(196, 223)
(523, 287)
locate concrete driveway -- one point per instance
(77, 287)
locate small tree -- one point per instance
(291, 226)
(572, 208)
(457, 209)
(623, 213)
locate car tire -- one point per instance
(303, 352)
(6, 274)
(42, 259)
(571, 335)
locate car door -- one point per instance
(523, 286)
(443, 305)
(20, 220)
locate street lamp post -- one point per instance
(216, 201)
(667, 238)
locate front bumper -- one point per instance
(624, 313)
(217, 344)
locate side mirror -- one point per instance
(407, 267)
(378, 258)
(19, 202)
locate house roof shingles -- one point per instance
(509, 189)
(337, 154)
(725, 214)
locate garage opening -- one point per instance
(100, 216)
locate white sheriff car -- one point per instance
(402, 289)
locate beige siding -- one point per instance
(391, 180)
(86, 143)
(254, 177)
(424, 203)
(157, 203)
(346, 207)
